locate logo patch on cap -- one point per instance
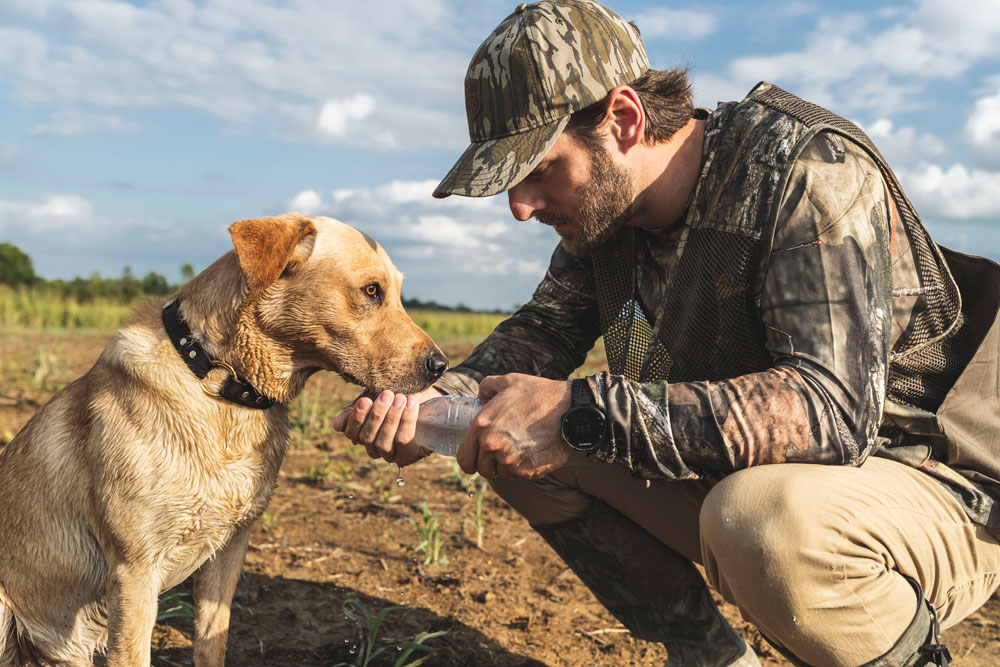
(473, 102)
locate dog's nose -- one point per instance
(436, 364)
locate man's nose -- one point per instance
(524, 201)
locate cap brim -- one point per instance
(490, 167)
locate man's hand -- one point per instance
(518, 431)
(385, 426)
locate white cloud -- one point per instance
(906, 145)
(955, 192)
(54, 213)
(307, 202)
(983, 125)
(444, 230)
(282, 67)
(876, 62)
(336, 114)
(676, 24)
(460, 244)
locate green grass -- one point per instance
(466, 327)
(40, 308)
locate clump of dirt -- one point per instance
(339, 535)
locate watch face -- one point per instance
(583, 428)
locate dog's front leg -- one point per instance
(214, 585)
(132, 595)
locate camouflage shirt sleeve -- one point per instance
(827, 313)
(549, 336)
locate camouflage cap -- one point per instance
(542, 63)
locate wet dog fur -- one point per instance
(132, 478)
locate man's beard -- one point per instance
(608, 201)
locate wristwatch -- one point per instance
(584, 425)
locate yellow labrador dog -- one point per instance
(140, 473)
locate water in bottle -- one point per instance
(443, 421)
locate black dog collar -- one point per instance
(235, 388)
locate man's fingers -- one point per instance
(387, 434)
(491, 386)
(340, 421)
(374, 422)
(356, 418)
(486, 465)
(407, 454)
(468, 450)
(408, 422)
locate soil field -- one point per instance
(438, 554)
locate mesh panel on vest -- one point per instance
(627, 330)
(930, 355)
(709, 311)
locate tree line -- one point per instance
(17, 270)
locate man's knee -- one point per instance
(802, 557)
(758, 534)
(547, 500)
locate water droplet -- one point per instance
(400, 482)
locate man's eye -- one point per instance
(538, 173)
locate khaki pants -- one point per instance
(812, 555)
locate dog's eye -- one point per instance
(374, 292)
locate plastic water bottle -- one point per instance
(443, 421)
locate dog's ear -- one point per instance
(266, 246)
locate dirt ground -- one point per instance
(339, 528)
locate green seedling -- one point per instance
(174, 604)
(344, 472)
(270, 522)
(357, 611)
(47, 364)
(380, 487)
(321, 473)
(477, 517)
(429, 534)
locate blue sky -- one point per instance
(133, 133)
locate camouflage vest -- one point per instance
(710, 328)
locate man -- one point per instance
(767, 295)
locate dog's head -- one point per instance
(331, 294)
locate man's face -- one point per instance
(580, 192)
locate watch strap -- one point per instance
(580, 393)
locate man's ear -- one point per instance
(628, 118)
(265, 246)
